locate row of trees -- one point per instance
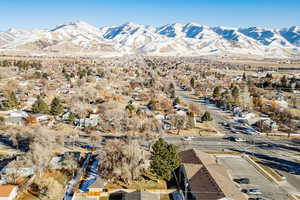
(125, 160)
(233, 96)
(40, 106)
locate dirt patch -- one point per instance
(140, 185)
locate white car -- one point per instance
(187, 138)
(238, 139)
(254, 191)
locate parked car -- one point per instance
(187, 138)
(87, 146)
(256, 198)
(253, 191)
(242, 180)
(238, 139)
(225, 124)
(177, 196)
(231, 138)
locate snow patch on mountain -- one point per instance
(172, 39)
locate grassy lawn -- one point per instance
(165, 197)
(201, 129)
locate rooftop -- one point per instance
(208, 179)
(5, 190)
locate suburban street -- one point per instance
(280, 155)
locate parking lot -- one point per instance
(240, 168)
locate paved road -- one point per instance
(280, 155)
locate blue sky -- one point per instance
(236, 13)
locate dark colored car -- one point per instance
(242, 180)
(257, 198)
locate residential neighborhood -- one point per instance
(147, 128)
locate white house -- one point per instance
(30, 101)
(92, 121)
(18, 113)
(41, 117)
(8, 192)
(14, 121)
(283, 103)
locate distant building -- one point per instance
(266, 125)
(8, 192)
(41, 117)
(14, 121)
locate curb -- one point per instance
(261, 170)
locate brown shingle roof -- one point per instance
(209, 180)
(5, 190)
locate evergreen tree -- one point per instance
(235, 92)
(192, 82)
(176, 101)
(71, 117)
(171, 90)
(40, 106)
(206, 117)
(130, 108)
(11, 100)
(217, 92)
(284, 82)
(56, 107)
(164, 159)
(244, 76)
(82, 73)
(270, 76)
(45, 75)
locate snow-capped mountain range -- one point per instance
(172, 39)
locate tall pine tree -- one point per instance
(11, 100)
(56, 106)
(40, 106)
(164, 159)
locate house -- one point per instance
(200, 177)
(266, 125)
(65, 116)
(283, 103)
(278, 97)
(18, 113)
(159, 117)
(41, 117)
(8, 192)
(14, 121)
(24, 171)
(30, 101)
(92, 121)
